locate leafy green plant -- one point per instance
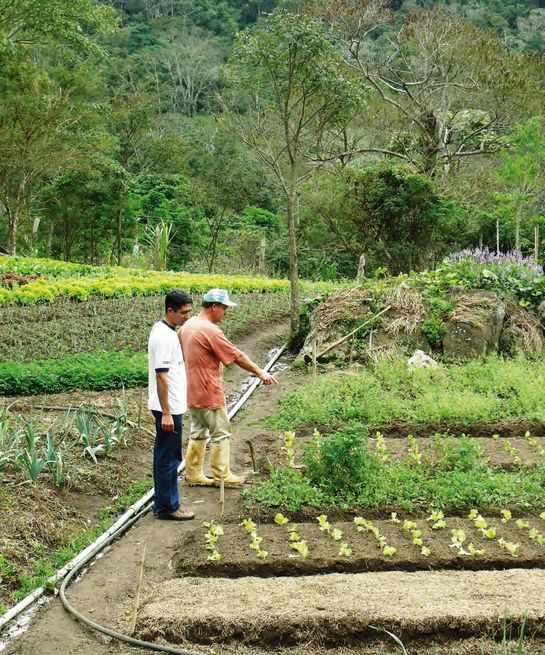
(29, 459)
(85, 423)
(341, 463)
(456, 453)
(434, 329)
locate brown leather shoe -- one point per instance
(181, 514)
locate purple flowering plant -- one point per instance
(480, 268)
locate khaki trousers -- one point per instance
(210, 424)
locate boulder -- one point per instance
(541, 312)
(475, 325)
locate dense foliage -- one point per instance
(113, 147)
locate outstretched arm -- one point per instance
(246, 363)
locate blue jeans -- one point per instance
(167, 456)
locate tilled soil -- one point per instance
(237, 559)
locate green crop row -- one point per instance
(78, 282)
(48, 268)
(95, 372)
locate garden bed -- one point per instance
(340, 609)
(237, 559)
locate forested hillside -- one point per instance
(234, 135)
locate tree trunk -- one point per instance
(262, 252)
(11, 242)
(294, 263)
(49, 242)
(119, 233)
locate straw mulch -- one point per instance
(339, 608)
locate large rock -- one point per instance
(541, 312)
(475, 325)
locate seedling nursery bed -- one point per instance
(353, 551)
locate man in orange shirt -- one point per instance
(206, 351)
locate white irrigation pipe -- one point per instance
(122, 522)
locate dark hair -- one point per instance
(176, 298)
(207, 304)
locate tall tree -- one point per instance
(522, 174)
(295, 94)
(445, 89)
(65, 26)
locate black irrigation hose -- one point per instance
(100, 628)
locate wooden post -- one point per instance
(497, 236)
(314, 363)
(361, 268)
(137, 589)
(141, 402)
(536, 244)
(252, 454)
(222, 496)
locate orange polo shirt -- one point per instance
(206, 351)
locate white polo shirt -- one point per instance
(165, 355)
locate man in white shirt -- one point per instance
(167, 401)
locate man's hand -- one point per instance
(267, 378)
(167, 423)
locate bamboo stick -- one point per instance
(347, 336)
(222, 496)
(137, 589)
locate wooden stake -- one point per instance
(139, 421)
(314, 358)
(252, 454)
(137, 589)
(222, 495)
(536, 244)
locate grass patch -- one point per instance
(488, 390)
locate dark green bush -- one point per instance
(341, 464)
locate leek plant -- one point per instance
(30, 459)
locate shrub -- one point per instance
(506, 274)
(341, 465)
